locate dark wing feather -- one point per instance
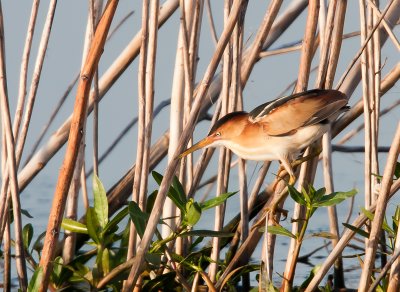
(289, 113)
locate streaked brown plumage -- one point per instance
(277, 130)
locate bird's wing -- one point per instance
(289, 113)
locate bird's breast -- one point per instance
(256, 145)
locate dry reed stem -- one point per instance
(7, 258)
(76, 132)
(253, 53)
(36, 78)
(381, 204)
(326, 37)
(141, 122)
(95, 9)
(388, 29)
(387, 83)
(170, 171)
(337, 39)
(57, 140)
(24, 67)
(394, 267)
(343, 242)
(333, 219)
(224, 154)
(11, 163)
(66, 94)
(307, 54)
(125, 131)
(71, 208)
(389, 13)
(211, 23)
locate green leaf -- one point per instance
(179, 189)
(281, 231)
(397, 170)
(138, 217)
(334, 198)
(93, 225)
(173, 194)
(323, 234)
(216, 201)
(296, 196)
(100, 202)
(206, 233)
(27, 234)
(26, 213)
(106, 261)
(318, 194)
(306, 195)
(193, 213)
(313, 271)
(371, 216)
(36, 280)
(74, 226)
(116, 219)
(359, 231)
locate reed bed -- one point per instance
(143, 232)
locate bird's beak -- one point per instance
(201, 144)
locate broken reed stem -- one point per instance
(76, 132)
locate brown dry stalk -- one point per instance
(76, 133)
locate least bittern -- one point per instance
(279, 129)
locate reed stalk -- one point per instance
(78, 121)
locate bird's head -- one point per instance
(226, 128)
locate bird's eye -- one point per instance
(218, 134)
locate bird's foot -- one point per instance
(281, 173)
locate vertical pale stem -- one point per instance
(11, 163)
(394, 276)
(367, 120)
(24, 67)
(302, 83)
(224, 154)
(175, 121)
(7, 257)
(141, 121)
(333, 220)
(35, 79)
(381, 203)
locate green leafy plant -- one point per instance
(311, 199)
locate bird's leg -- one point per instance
(285, 166)
(313, 153)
